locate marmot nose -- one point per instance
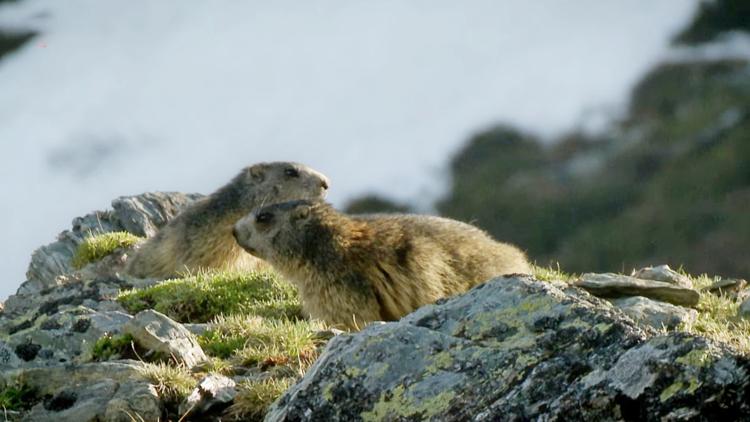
(324, 184)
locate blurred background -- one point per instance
(600, 135)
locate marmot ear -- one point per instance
(257, 174)
(301, 212)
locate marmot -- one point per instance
(351, 270)
(200, 236)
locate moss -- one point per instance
(172, 383)
(697, 358)
(18, 397)
(109, 346)
(396, 405)
(254, 397)
(206, 295)
(670, 391)
(94, 248)
(440, 361)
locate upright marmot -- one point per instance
(201, 235)
(351, 270)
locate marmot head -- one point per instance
(268, 183)
(284, 231)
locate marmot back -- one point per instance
(351, 270)
(200, 237)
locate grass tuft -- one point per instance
(206, 295)
(97, 247)
(262, 342)
(552, 274)
(18, 397)
(172, 383)
(718, 319)
(254, 397)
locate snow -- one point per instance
(118, 98)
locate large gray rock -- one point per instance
(654, 313)
(50, 380)
(155, 331)
(517, 349)
(86, 403)
(134, 399)
(615, 285)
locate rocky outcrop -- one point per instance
(58, 313)
(519, 349)
(514, 348)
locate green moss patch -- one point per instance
(97, 247)
(207, 295)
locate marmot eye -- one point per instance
(291, 172)
(264, 217)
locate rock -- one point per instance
(727, 286)
(87, 403)
(134, 398)
(141, 215)
(63, 337)
(155, 331)
(325, 335)
(198, 328)
(614, 285)
(663, 273)
(654, 313)
(50, 380)
(213, 394)
(744, 310)
(518, 349)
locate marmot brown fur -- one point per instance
(200, 236)
(351, 270)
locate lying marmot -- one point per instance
(201, 236)
(351, 270)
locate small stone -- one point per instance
(727, 286)
(663, 273)
(213, 394)
(328, 334)
(744, 310)
(654, 313)
(610, 285)
(157, 332)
